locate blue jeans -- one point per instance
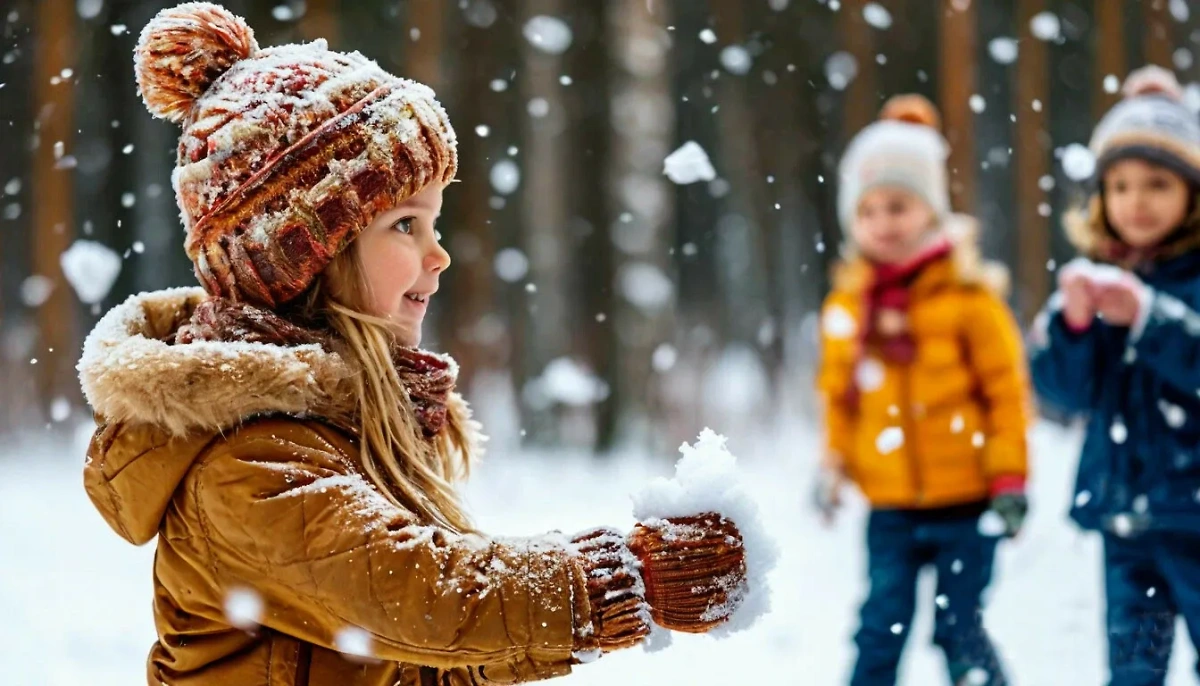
(899, 544)
(1149, 580)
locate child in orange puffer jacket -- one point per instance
(925, 391)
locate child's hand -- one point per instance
(1119, 301)
(826, 495)
(1010, 503)
(1079, 308)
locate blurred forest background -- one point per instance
(592, 299)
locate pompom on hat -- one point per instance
(1150, 123)
(287, 153)
(904, 149)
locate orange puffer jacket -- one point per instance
(937, 431)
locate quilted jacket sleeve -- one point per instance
(998, 361)
(338, 565)
(1063, 362)
(835, 378)
(1167, 340)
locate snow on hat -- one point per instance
(1151, 123)
(905, 149)
(287, 153)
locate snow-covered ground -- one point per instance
(75, 599)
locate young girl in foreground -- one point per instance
(278, 431)
(1120, 343)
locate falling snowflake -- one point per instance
(736, 59)
(1182, 57)
(978, 676)
(1112, 84)
(840, 69)
(511, 265)
(1117, 432)
(977, 103)
(956, 567)
(36, 290)
(689, 164)
(991, 524)
(1003, 50)
(897, 628)
(1179, 10)
(283, 13)
(1078, 162)
(60, 409)
(869, 375)
(664, 357)
(942, 601)
(708, 37)
(1175, 415)
(91, 268)
(538, 107)
(243, 608)
(482, 130)
(889, 440)
(89, 9)
(505, 176)
(957, 424)
(877, 16)
(1082, 498)
(551, 35)
(646, 286)
(1141, 504)
(1045, 26)
(1122, 525)
(353, 641)
(838, 323)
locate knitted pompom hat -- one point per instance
(287, 153)
(904, 149)
(1151, 123)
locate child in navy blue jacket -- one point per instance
(1120, 343)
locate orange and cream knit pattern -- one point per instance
(287, 152)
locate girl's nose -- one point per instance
(437, 260)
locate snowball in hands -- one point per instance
(706, 481)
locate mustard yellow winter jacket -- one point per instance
(275, 557)
(937, 431)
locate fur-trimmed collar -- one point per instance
(967, 265)
(132, 370)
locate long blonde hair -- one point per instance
(416, 473)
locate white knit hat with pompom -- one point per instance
(904, 149)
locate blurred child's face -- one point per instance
(402, 261)
(1144, 202)
(892, 225)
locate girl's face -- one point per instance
(892, 225)
(1144, 202)
(402, 261)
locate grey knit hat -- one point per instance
(1151, 123)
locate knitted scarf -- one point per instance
(428, 379)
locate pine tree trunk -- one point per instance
(51, 196)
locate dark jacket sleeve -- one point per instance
(1166, 340)
(1063, 363)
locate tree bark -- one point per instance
(51, 195)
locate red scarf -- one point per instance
(885, 327)
(428, 378)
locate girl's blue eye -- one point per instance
(404, 225)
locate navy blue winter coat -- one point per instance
(1140, 467)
